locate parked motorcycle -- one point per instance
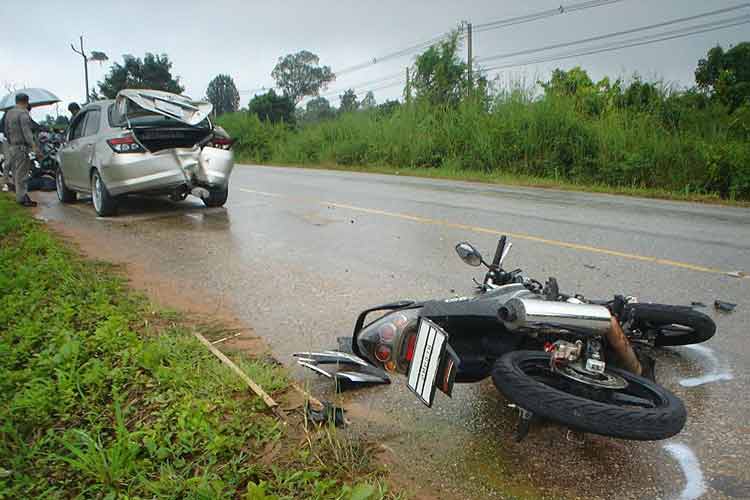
(580, 362)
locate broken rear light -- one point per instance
(125, 144)
(221, 143)
(385, 341)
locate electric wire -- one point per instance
(612, 35)
(634, 42)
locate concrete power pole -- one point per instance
(469, 56)
(82, 53)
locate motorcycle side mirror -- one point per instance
(469, 254)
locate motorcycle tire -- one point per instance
(674, 325)
(524, 377)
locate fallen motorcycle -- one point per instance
(583, 363)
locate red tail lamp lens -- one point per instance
(383, 352)
(411, 343)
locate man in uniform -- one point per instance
(18, 132)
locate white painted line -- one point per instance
(695, 486)
(714, 371)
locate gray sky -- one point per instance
(245, 38)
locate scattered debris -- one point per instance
(722, 306)
(737, 274)
(589, 266)
(329, 413)
(697, 304)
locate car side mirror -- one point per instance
(469, 254)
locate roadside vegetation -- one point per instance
(104, 396)
(631, 136)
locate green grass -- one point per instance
(687, 153)
(102, 396)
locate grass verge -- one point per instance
(104, 396)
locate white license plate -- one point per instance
(428, 353)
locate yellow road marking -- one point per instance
(518, 236)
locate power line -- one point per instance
(634, 42)
(614, 35)
(500, 23)
(544, 14)
(362, 85)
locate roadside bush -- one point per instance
(642, 137)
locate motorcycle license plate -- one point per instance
(428, 354)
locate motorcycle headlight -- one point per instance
(389, 341)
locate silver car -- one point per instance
(145, 142)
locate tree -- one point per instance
(348, 102)
(151, 72)
(726, 74)
(272, 107)
(223, 94)
(299, 75)
(368, 102)
(318, 109)
(440, 76)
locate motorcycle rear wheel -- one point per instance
(643, 411)
(674, 325)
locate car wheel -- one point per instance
(104, 204)
(64, 194)
(216, 197)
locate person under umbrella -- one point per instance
(18, 131)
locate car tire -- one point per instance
(64, 194)
(512, 377)
(216, 197)
(104, 204)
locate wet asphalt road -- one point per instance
(298, 253)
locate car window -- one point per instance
(92, 122)
(76, 128)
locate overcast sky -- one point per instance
(245, 38)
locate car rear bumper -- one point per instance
(167, 170)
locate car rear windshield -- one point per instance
(139, 117)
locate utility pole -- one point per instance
(408, 86)
(95, 56)
(469, 56)
(82, 53)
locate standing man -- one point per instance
(18, 132)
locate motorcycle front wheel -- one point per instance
(673, 325)
(642, 411)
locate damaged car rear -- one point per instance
(145, 142)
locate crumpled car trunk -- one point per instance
(162, 120)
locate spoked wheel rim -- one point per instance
(635, 394)
(96, 194)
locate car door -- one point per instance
(87, 144)
(70, 154)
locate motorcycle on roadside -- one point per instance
(579, 362)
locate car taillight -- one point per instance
(125, 144)
(383, 352)
(221, 143)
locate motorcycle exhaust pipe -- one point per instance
(529, 314)
(533, 314)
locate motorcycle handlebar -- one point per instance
(499, 251)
